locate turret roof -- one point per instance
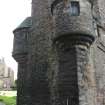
(27, 23)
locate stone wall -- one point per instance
(98, 52)
(40, 46)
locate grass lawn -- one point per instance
(8, 100)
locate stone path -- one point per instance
(2, 103)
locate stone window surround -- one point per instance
(69, 7)
(74, 8)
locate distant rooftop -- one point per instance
(2, 60)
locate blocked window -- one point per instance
(75, 8)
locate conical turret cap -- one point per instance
(27, 23)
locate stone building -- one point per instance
(60, 52)
(6, 76)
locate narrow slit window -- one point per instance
(75, 8)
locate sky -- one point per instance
(12, 13)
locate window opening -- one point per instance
(75, 8)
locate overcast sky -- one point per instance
(12, 13)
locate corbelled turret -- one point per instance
(20, 54)
(72, 38)
(21, 34)
(72, 20)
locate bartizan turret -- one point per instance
(73, 19)
(73, 35)
(20, 54)
(21, 34)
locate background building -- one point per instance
(6, 76)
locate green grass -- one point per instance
(8, 100)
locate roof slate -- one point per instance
(27, 23)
